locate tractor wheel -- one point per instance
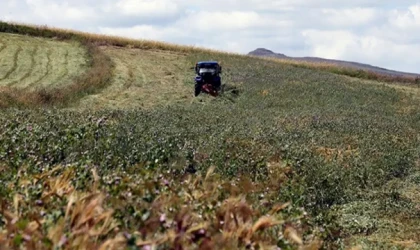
(197, 89)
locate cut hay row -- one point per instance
(40, 62)
(2, 46)
(39, 71)
(65, 67)
(46, 67)
(29, 68)
(96, 77)
(143, 79)
(14, 65)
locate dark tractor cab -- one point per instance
(208, 77)
(208, 68)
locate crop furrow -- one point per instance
(2, 46)
(47, 71)
(31, 67)
(15, 64)
(65, 67)
(130, 75)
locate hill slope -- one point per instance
(261, 52)
(133, 159)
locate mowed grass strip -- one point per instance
(64, 70)
(2, 45)
(144, 78)
(5, 58)
(11, 63)
(27, 64)
(40, 71)
(74, 63)
(35, 62)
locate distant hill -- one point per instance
(262, 52)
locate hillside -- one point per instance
(392, 74)
(111, 150)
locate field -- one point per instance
(139, 74)
(294, 157)
(29, 62)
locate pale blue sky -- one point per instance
(380, 32)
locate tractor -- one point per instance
(208, 78)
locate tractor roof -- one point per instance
(208, 62)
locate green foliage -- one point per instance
(321, 141)
(77, 208)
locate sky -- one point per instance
(383, 33)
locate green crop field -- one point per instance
(110, 150)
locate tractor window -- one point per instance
(207, 70)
